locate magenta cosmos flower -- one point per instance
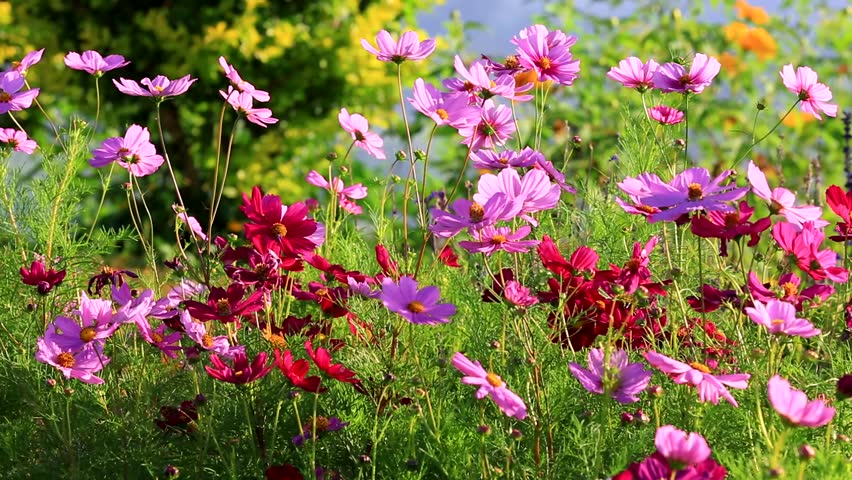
(443, 108)
(491, 160)
(160, 87)
(44, 279)
(243, 103)
(794, 406)
(710, 387)
(358, 127)
(12, 99)
(813, 95)
(93, 63)
(28, 61)
(632, 73)
(672, 77)
(241, 371)
(490, 385)
(783, 201)
(471, 214)
(409, 47)
(780, 318)
(239, 84)
(665, 115)
(189, 221)
(493, 127)
(679, 448)
(134, 152)
(549, 62)
(315, 427)
(96, 323)
(490, 239)
(81, 364)
(416, 306)
(622, 381)
(18, 140)
(533, 191)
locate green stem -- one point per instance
(754, 144)
(104, 188)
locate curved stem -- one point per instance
(411, 171)
(104, 188)
(755, 143)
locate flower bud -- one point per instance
(844, 387)
(400, 156)
(331, 156)
(171, 471)
(484, 429)
(806, 452)
(516, 434)
(627, 418)
(655, 391)
(642, 416)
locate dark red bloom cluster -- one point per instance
(226, 306)
(44, 279)
(180, 419)
(656, 466)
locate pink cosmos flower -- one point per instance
(665, 115)
(240, 371)
(710, 387)
(490, 385)
(622, 381)
(780, 318)
(534, 190)
(840, 203)
(632, 73)
(44, 279)
(28, 61)
(169, 344)
(636, 269)
(490, 239)
(679, 448)
(443, 108)
(518, 295)
(489, 159)
(358, 127)
(80, 364)
(197, 332)
(552, 38)
(468, 214)
(18, 140)
(345, 195)
(788, 290)
(93, 63)
(95, 323)
(133, 152)
(477, 84)
(782, 201)
(805, 246)
(672, 77)
(239, 84)
(813, 95)
(190, 222)
(416, 306)
(730, 226)
(242, 102)
(494, 127)
(689, 191)
(409, 47)
(131, 308)
(554, 63)
(794, 406)
(160, 87)
(12, 99)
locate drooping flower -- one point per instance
(190, 222)
(622, 381)
(490, 239)
(665, 115)
(357, 126)
(409, 47)
(710, 387)
(794, 406)
(297, 372)
(489, 159)
(490, 385)
(239, 84)
(814, 96)
(673, 77)
(783, 201)
(345, 195)
(133, 152)
(679, 448)
(108, 276)
(494, 127)
(43, 279)
(315, 426)
(93, 63)
(160, 87)
(240, 371)
(243, 103)
(322, 359)
(12, 99)
(417, 306)
(17, 140)
(81, 364)
(632, 73)
(788, 290)
(780, 318)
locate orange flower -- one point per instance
(735, 31)
(797, 119)
(755, 14)
(730, 63)
(760, 42)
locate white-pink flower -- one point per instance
(783, 201)
(814, 95)
(345, 195)
(779, 317)
(358, 127)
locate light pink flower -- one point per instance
(813, 95)
(242, 102)
(494, 127)
(134, 152)
(710, 387)
(358, 127)
(632, 73)
(665, 115)
(680, 448)
(490, 239)
(554, 63)
(409, 47)
(17, 140)
(490, 384)
(443, 108)
(80, 364)
(12, 99)
(93, 63)
(28, 61)
(780, 318)
(468, 214)
(534, 190)
(345, 195)
(160, 87)
(672, 77)
(489, 159)
(518, 295)
(794, 406)
(190, 222)
(239, 84)
(783, 201)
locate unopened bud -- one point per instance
(400, 156)
(642, 416)
(484, 429)
(420, 155)
(655, 391)
(806, 452)
(627, 418)
(761, 104)
(516, 434)
(331, 156)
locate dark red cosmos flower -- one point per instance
(231, 256)
(226, 305)
(840, 203)
(322, 359)
(107, 276)
(297, 372)
(241, 371)
(584, 259)
(272, 226)
(332, 300)
(43, 279)
(729, 226)
(712, 298)
(498, 285)
(283, 472)
(335, 271)
(388, 266)
(788, 290)
(262, 270)
(448, 257)
(178, 419)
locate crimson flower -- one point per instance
(840, 203)
(240, 371)
(285, 230)
(297, 372)
(712, 298)
(322, 359)
(43, 279)
(727, 226)
(226, 305)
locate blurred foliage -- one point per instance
(305, 53)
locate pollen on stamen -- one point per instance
(498, 239)
(5, 97)
(279, 230)
(223, 307)
(442, 114)
(416, 307)
(494, 380)
(65, 360)
(545, 63)
(695, 191)
(207, 340)
(700, 367)
(790, 289)
(476, 212)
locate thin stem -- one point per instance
(426, 172)
(686, 130)
(216, 173)
(104, 188)
(411, 170)
(754, 144)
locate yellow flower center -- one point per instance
(544, 63)
(511, 62)
(695, 191)
(494, 380)
(207, 341)
(498, 239)
(279, 230)
(65, 360)
(476, 212)
(5, 97)
(442, 113)
(777, 321)
(700, 367)
(156, 337)
(223, 307)
(416, 307)
(87, 334)
(789, 289)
